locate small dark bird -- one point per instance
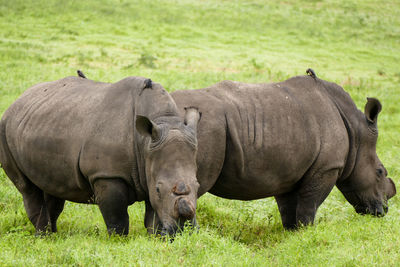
(148, 83)
(80, 74)
(311, 73)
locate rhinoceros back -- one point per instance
(274, 134)
(64, 133)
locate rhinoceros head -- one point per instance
(368, 188)
(170, 159)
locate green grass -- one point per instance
(187, 44)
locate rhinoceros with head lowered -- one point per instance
(294, 140)
(106, 143)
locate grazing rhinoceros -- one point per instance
(294, 140)
(110, 144)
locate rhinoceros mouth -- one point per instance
(167, 232)
(171, 229)
(375, 209)
(178, 227)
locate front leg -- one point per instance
(151, 220)
(312, 192)
(287, 204)
(112, 196)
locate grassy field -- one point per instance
(187, 44)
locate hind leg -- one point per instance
(42, 209)
(54, 207)
(33, 197)
(35, 207)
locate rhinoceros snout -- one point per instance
(377, 209)
(185, 208)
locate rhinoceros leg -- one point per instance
(112, 198)
(151, 221)
(42, 209)
(35, 207)
(34, 203)
(54, 208)
(313, 190)
(287, 204)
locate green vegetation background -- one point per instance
(187, 44)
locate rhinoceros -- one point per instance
(111, 144)
(294, 140)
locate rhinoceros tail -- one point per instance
(80, 74)
(311, 73)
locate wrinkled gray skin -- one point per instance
(109, 144)
(293, 140)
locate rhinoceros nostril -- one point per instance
(181, 189)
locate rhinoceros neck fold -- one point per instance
(350, 116)
(141, 194)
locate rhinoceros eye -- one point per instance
(379, 171)
(158, 191)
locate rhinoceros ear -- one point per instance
(192, 117)
(372, 109)
(147, 128)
